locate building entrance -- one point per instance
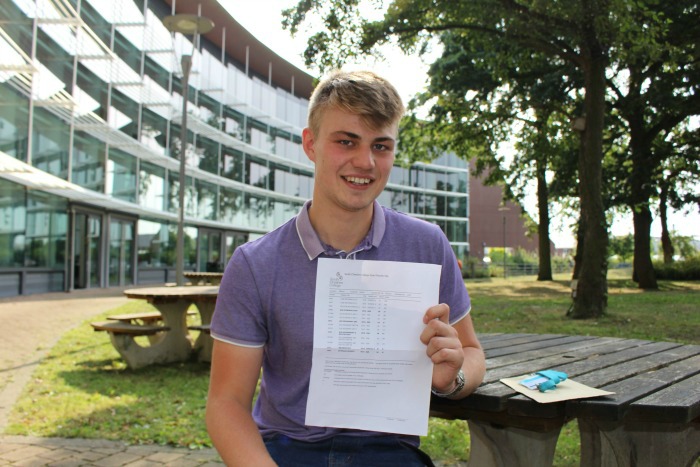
(87, 257)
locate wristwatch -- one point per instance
(459, 385)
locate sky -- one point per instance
(409, 75)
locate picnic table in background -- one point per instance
(653, 418)
(204, 278)
(169, 341)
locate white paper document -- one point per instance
(370, 370)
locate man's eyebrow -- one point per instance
(352, 135)
(349, 134)
(384, 138)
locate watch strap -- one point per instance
(459, 385)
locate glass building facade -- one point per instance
(90, 124)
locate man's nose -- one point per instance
(364, 158)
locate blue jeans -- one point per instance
(346, 451)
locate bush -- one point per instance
(687, 270)
(474, 268)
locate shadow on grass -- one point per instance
(124, 422)
(102, 399)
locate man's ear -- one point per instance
(307, 142)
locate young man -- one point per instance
(265, 311)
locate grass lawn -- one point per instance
(83, 389)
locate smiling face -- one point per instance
(352, 161)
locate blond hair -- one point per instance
(363, 93)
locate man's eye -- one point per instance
(382, 147)
(345, 142)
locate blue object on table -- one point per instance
(553, 378)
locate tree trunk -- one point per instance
(640, 192)
(642, 265)
(545, 272)
(592, 291)
(578, 256)
(666, 244)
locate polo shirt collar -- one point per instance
(312, 243)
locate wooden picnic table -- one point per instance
(204, 278)
(653, 418)
(175, 344)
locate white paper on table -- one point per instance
(369, 369)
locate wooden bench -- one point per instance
(206, 328)
(122, 326)
(122, 335)
(145, 317)
(204, 278)
(114, 327)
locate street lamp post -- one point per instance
(504, 245)
(186, 25)
(503, 209)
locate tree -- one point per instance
(654, 90)
(527, 103)
(677, 178)
(579, 33)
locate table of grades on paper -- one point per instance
(358, 319)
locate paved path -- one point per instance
(31, 325)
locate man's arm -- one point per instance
(234, 375)
(452, 348)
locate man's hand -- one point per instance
(443, 347)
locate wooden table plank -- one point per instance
(532, 343)
(678, 403)
(640, 350)
(633, 382)
(509, 340)
(521, 363)
(649, 358)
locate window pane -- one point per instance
(207, 155)
(257, 173)
(12, 224)
(50, 142)
(205, 194)
(259, 211)
(232, 164)
(14, 123)
(47, 222)
(88, 162)
(152, 186)
(231, 207)
(156, 247)
(121, 175)
(153, 131)
(173, 194)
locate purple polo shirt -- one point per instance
(266, 299)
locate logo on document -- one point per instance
(336, 281)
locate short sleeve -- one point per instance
(238, 316)
(452, 288)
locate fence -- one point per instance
(511, 269)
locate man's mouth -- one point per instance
(358, 180)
